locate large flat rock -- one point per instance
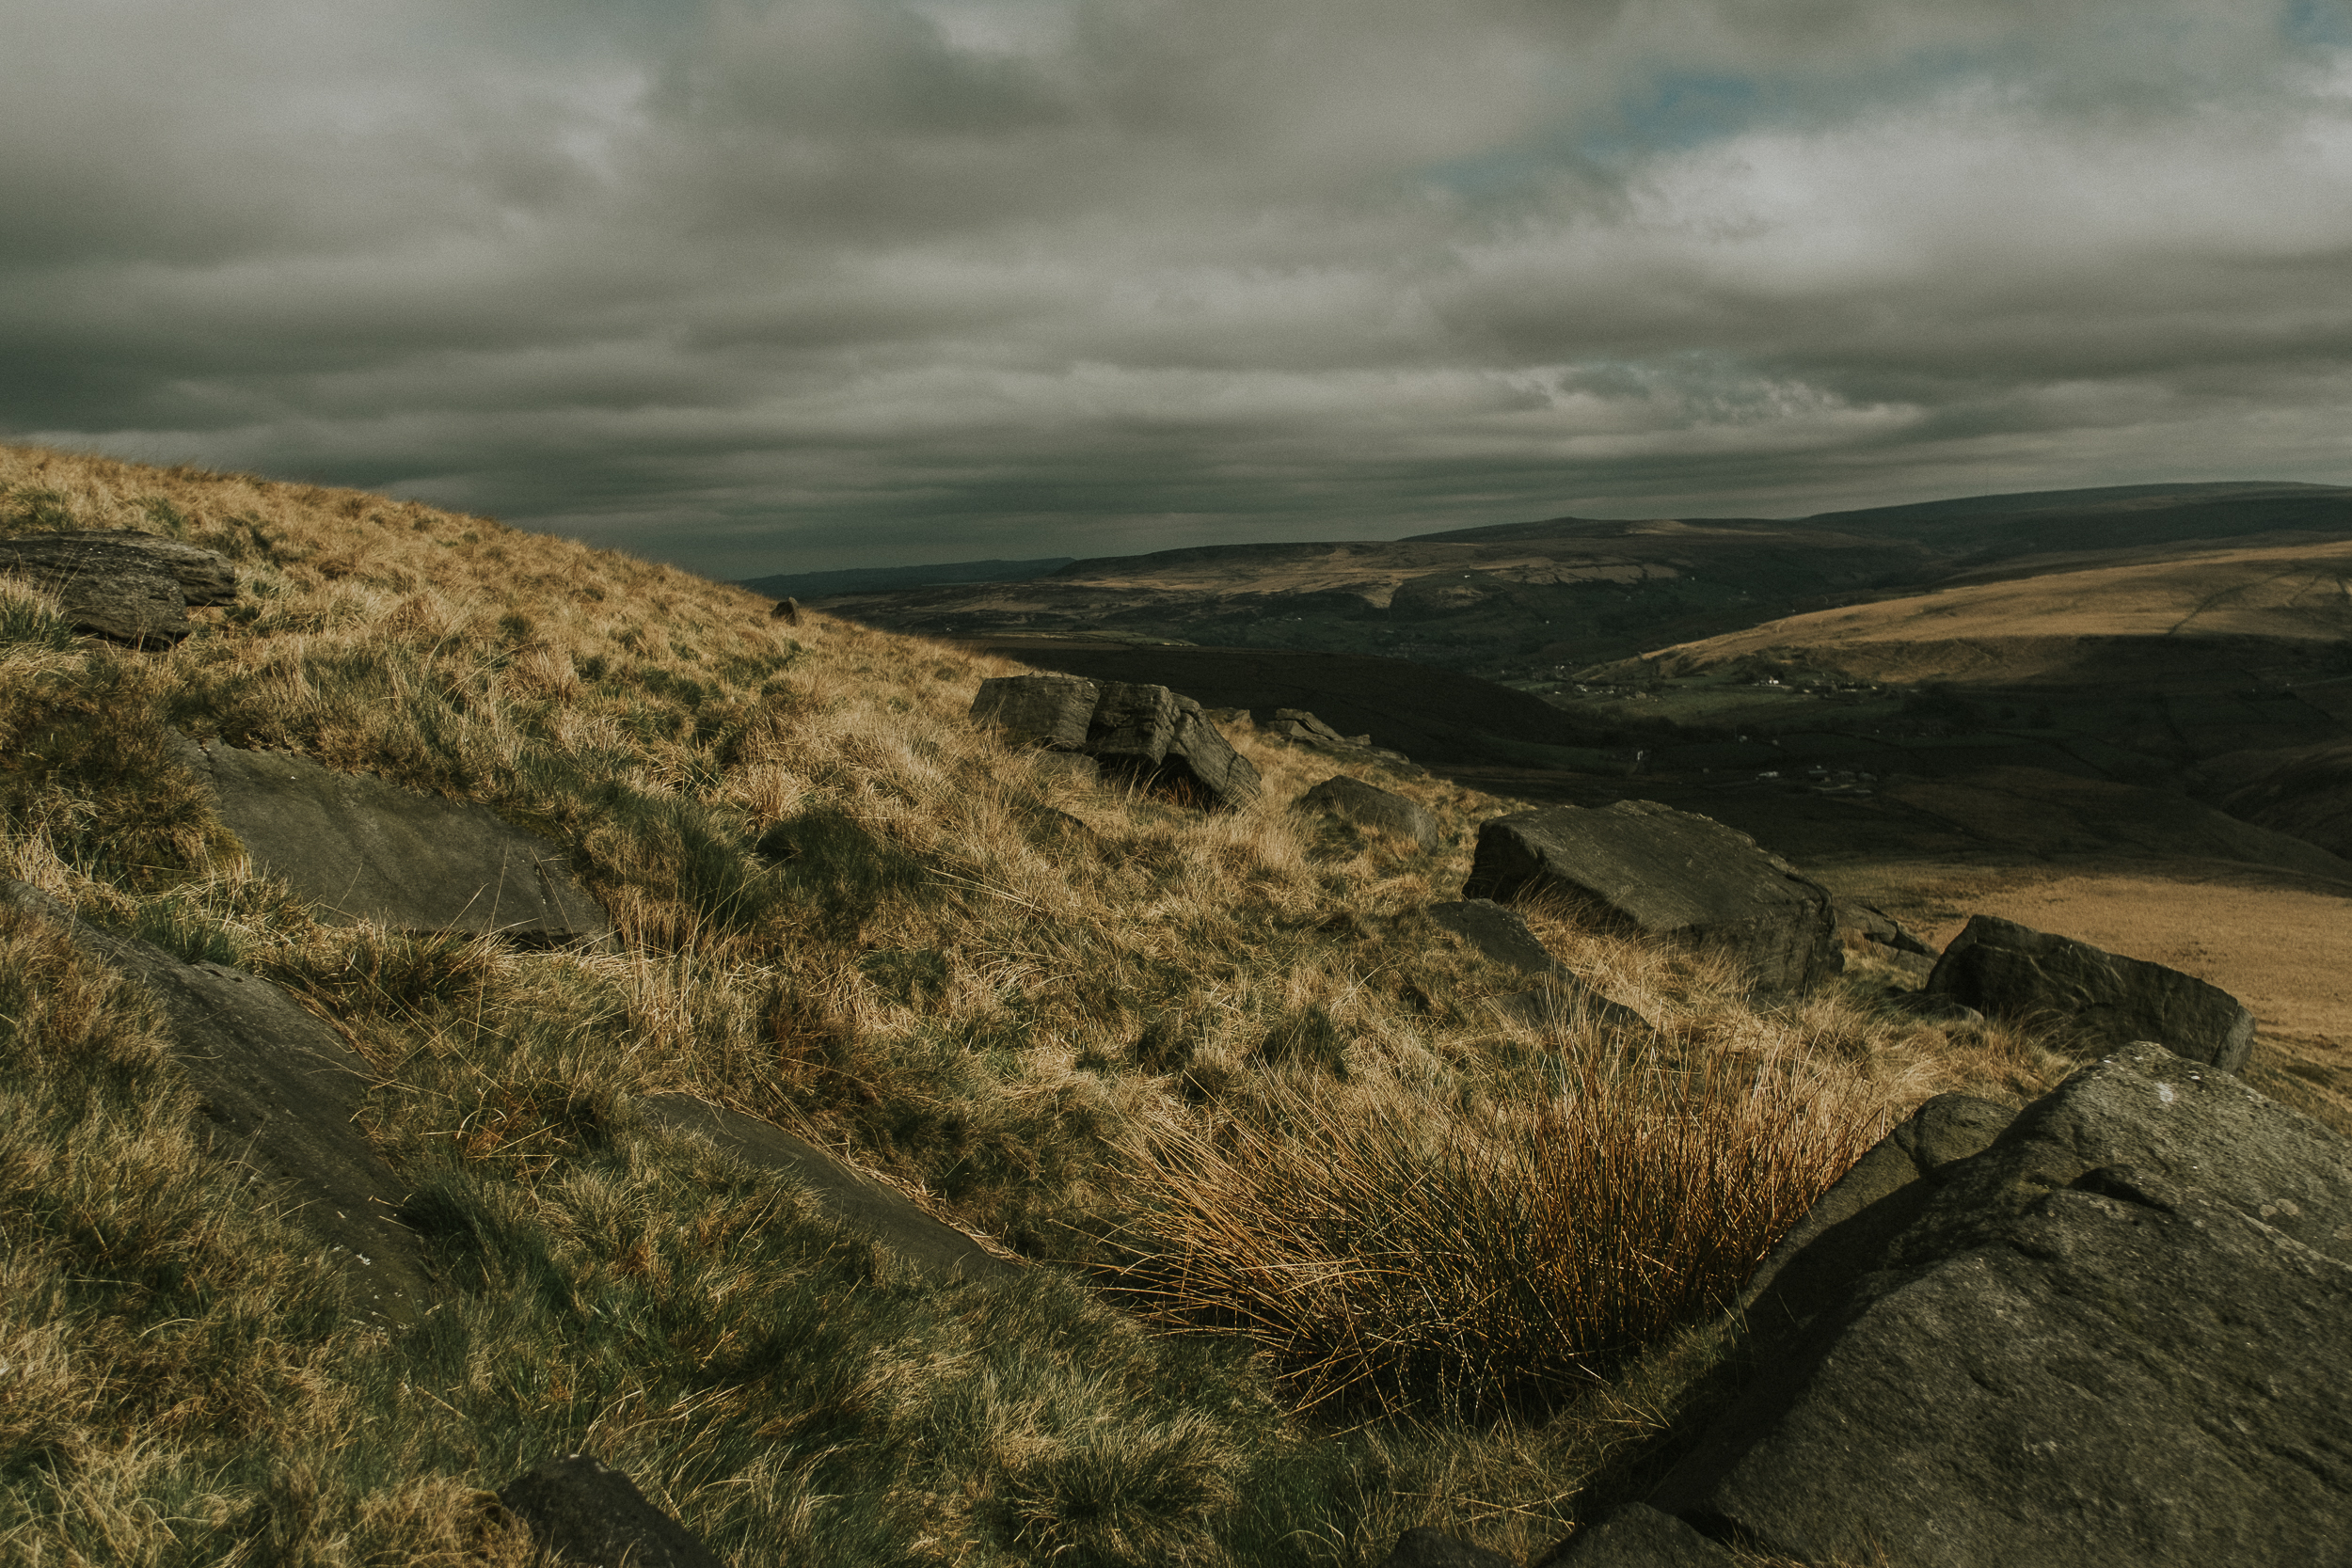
(125, 585)
(1641, 868)
(278, 1092)
(357, 849)
(1998, 966)
(2118, 1332)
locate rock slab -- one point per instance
(357, 849)
(1423, 1547)
(2117, 1334)
(127, 586)
(1143, 733)
(586, 1514)
(1369, 806)
(1641, 868)
(1999, 967)
(938, 1249)
(280, 1093)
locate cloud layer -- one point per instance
(763, 287)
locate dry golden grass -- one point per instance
(1059, 1014)
(2035, 628)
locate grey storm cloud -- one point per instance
(758, 287)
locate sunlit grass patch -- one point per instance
(1397, 1256)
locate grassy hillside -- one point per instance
(2120, 622)
(1326, 1243)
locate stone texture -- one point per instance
(1847, 1232)
(1145, 735)
(2000, 967)
(1423, 1547)
(857, 1201)
(128, 586)
(1638, 1536)
(586, 1514)
(1369, 806)
(278, 1093)
(1199, 754)
(1131, 725)
(1641, 868)
(2115, 1332)
(1047, 710)
(357, 849)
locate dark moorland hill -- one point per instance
(1526, 601)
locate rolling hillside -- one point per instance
(1266, 1144)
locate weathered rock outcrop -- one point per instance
(857, 1201)
(278, 1092)
(1638, 866)
(2116, 1334)
(1145, 734)
(585, 1513)
(1423, 1547)
(1369, 806)
(2000, 967)
(1296, 726)
(1044, 710)
(129, 586)
(357, 849)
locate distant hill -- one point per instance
(1543, 601)
(885, 579)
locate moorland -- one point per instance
(1321, 1232)
(2124, 712)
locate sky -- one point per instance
(765, 286)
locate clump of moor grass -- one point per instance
(1401, 1256)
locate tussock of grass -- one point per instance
(1474, 1257)
(1225, 1060)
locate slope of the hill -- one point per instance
(1216, 1074)
(2285, 605)
(1531, 600)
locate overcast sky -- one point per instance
(758, 287)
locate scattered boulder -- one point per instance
(357, 849)
(1145, 734)
(280, 1093)
(1998, 966)
(788, 610)
(586, 1514)
(1639, 866)
(1875, 925)
(1296, 726)
(1423, 1547)
(2115, 1333)
(857, 1200)
(1045, 710)
(1369, 806)
(126, 586)
(1198, 753)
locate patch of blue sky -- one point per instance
(2324, 24)
(1674, 111)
